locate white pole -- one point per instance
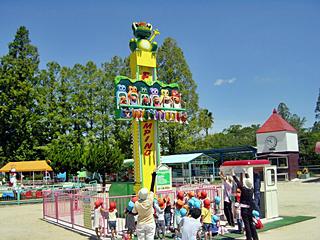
(33, 178)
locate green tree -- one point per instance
(18, 71)
(283, 111)
(66, 154)
(316, 125)
(296, 121)
(103, 157)
(205, 120)
(173, 68)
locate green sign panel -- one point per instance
(164, 178)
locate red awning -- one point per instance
(246, 163)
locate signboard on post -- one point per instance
(164, 178)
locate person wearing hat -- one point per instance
(144, 208)
(130, 221)
(97, 217)
(160, 222)
(112, 218)
(247, 205)
(206, 216)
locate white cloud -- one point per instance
(220, 81)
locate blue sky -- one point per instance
(246, 56)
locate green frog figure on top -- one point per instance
(142, 31)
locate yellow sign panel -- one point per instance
(148, 150)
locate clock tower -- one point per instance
(277, 141)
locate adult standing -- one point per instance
(146, 226)
(227, 195)
(247, 205)
(256, 187)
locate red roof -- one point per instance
(245, 162)
(276, 123)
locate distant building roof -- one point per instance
(27, 166)
(276, 123)
(178, 158)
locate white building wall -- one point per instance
(286, 141)
(292, 142)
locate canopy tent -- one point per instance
(27, 166)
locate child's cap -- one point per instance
(130, 206)
(197, 204)
(191, 194)
(161, 203)
(217, 199)
(98, 203)
(203, 194)
(134, 199)
(255, 213)
(183, 212)
(112, 206)
(206, 203)
(180, 195)
(191, 203)
(215, 218)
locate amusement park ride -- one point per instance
(145, 101)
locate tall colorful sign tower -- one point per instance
(145, 101)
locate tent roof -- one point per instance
(178, 158)
(27, 166)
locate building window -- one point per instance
(280, 162)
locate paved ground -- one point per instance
(297, 199)
(24, 222)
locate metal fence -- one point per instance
(76, 209)
(35, 194)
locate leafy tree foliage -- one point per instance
(103, 157)
(173, 68)
(18, 71)
(205, 120)
(296, 121)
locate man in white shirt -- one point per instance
(190, 226)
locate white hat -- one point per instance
(143, 194)
(247, 183)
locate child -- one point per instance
(238, 210)
(97, 219)
(112, 220)
(177, 216)
(190, 226)
(160, 224)
(206, 218)
(130, 220)
(168, 213)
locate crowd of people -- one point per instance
(190, 216)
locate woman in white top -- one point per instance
(227, 195)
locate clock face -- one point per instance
(271, 141)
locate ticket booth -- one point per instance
(262, 174)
